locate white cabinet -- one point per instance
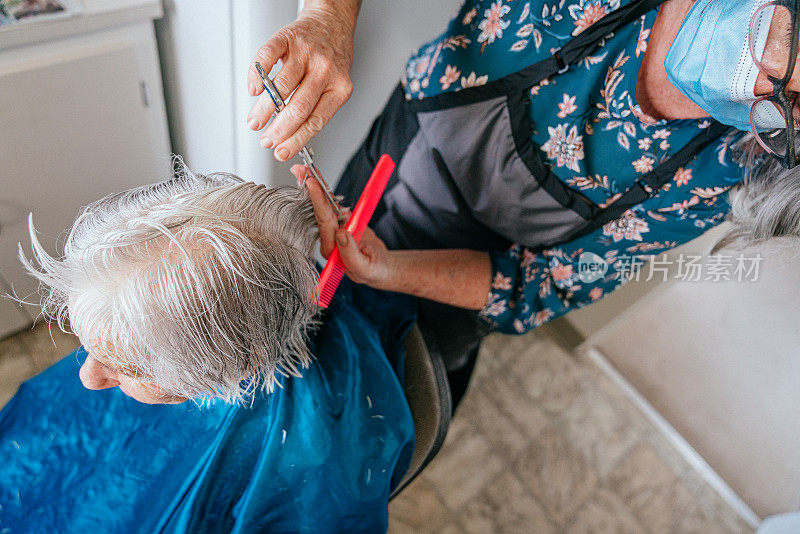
(81, 115)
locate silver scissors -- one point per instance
(305, 153)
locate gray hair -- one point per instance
(765, 204)
(204, 285)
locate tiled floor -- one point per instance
(545, 443)
(542, 443)
(29, 353)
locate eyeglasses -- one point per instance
(775, 55)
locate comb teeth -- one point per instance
(333, 272)
(329, 279)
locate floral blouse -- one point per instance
(594, 137)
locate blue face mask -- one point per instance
(710, 61)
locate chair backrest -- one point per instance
(428, 395)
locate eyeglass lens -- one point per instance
(769, 38)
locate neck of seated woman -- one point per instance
(655, 94)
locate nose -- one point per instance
(96, 376)
(764, 87)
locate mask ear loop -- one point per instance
(766, 148)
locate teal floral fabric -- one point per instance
(595, 138)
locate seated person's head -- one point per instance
(199, 287)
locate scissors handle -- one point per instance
(305, 153)
(272, 91)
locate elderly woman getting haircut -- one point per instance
(202, 288)
(535, 137)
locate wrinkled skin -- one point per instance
(97, 375)
(317, 53)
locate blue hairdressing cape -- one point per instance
(318, 455)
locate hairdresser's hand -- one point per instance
(366, 262)
(317, 53)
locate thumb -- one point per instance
(355, 261)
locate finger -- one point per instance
(326, 217)
(328, 105)
(356, 263)
(267, 55)
(297, 110)
(300, 172)
(286, 81)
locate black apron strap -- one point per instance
(652, 182)
(581, 45)
(569, 54)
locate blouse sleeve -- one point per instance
(531, 287)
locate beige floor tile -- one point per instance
(47, 344)
(557, 474)
(16, 367)
(499, 430)
(548, 376)
(702, 521)
(419, 507)
(465, 465)
(509, 400)
(505, 507)
(604, 513)
(641, 475)
(500, 351)
(661, 512)
(710, 502)
(595, 426)
(451, 528)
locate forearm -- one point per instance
(345, 10)
(456, 277)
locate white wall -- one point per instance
(720, 361)
(206, 48)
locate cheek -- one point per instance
(146, 393)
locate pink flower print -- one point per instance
(643, 164)
(596, 293)
(519, 45)
(680, 207)
(610, 200)
(451, 74)
(629, 227)
(542, 316)
(643, 117)
(422, 65)
(494, 305)
(473, 81)
(528, 257)
(590, 15)
(663, 133)
(664, 145)
(565, 148)
(563, 274)
(413, 85)
(469, 16)
(501, 282)
(641, 44)
(493, 25)
(644, 143)
(682, 176)
(566, 106)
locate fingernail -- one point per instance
(266, 142)
(253, 124)
(341, 238)
(282, 153)
(251, 88)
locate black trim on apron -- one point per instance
(427, 203)
(399, 126)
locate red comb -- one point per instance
(365, 207)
